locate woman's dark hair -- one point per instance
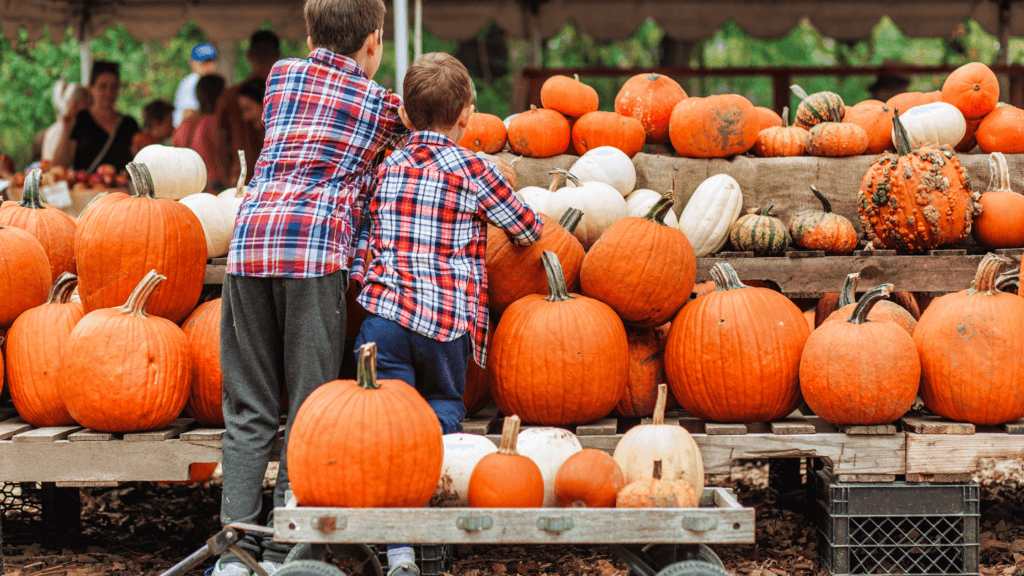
(104, 67)
(254, 90)
(208, 90)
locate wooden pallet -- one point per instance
(939, 450)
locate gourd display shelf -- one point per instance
(939, 450)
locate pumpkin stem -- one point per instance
(766, 208)
(659, 406)
(62, 288)
(142, 180)
(136, 304)
(846, 295)
(240, 186)
(725, 277)
(785, 116)
(366, 366)
(1008, 278)
(509, 436)
(825, 204)
(868, 301)
(998, 173)
(988, 273)
(571, 219)
(554, 181)
(557, 290)
(30, 197)
(902, 141)
(533, 107)
(660, 209)
(800, 92)
(656, 473)
(572, 178)
(576, 77)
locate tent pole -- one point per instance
(417, 42)
(85, 54)
(1003, 57)
(401, 42)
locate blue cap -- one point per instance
(203, 52)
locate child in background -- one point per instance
(424, 241)
(157, 125)
(199, 131)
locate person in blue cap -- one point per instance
(203, 61)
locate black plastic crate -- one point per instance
(896, 527)
(432, 559)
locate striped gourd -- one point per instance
(760, 233)
(817, 108)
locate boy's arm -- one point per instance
(394, 131)
(501, 208)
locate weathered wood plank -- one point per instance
(1014, 427)
(692, 424)
(821, 426)
(962, 477)
(935, 425)
(176, 427)
(483, 422)
(7, 412)
(792, 426)
(87, 435)
(842, 453)
(878, 429)
(47, 434)
(958, 454)
(87, 484)
(13, 426)
(603, 427)
(719, 429)
(203, 434)
(866, 477)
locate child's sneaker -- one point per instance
(404, 569)
(270, 567)
(229, 569)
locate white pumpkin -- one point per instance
(549, 448)
(177, 172)
(606, 164)
(935, 123)
(601, 204)
(709, 214)
(641, 445)
(639, 203)
(232, 197)
(461, 454)
(509, 119)
(217, 223)
(536, 197)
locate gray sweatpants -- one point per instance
(273, 331)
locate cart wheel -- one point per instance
(691, 568)
(352, 559)
(309, 568)
(662, 555)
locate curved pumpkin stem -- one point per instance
(509, 436)
(766, 208)
(988, 273)
(868, 301)
(30, 197)
(825, 204)
(557, 290)
(725, 277)
(902, 140)
(554, 181)
(659, 405)
(785, 116)
(366, 366)
(998, 173)
(572, 178)
(136, 304)
(846, 294)
(660, 209)
(571, 219)
(142, 180)
(799, 92)
(240, 186)
(62, 288)
(1007, 279)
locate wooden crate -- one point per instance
(939, 450)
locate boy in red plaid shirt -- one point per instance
(425, 237)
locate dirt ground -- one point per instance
(144, 528)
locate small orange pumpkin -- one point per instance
(485, 133)
(768, 118)
(657, 493)
(539, 133)
(713, 127)
(836, 139)
(650, 99)
(823, 229)
(568, 96)
(596, 129)
(506, 479)
(1002, 130)
(588, 479)
(999, 225)
(876, 120)
(781, 140)
(973, 88)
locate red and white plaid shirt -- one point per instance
(426, 230)
(326, 122)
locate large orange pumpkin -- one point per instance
(24, 274)
(485, 133)
(123, 370)
(54, 229)
(539, 133)
(568, 96)
(713, 127)
(365, 443)
(650, 99)
(206, 399)
(971, 349)
(506, 479)
(1000, 223)
(122, 238)
(733, 355)
(558, 360)
(1002, 130)
(876, 120)
(596, 129)
(642, 268)
(35, 344)
(908, 100)
(860, 371)
(588, 479)
(646, 371)
(973, 88)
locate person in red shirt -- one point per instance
(199, 131)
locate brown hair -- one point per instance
(156, 111)
(342, 26)
(208, 90)
(436, 89)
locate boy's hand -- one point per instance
(506, 169)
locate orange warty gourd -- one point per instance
(206, 399)
(860, 371)
(123, 370)
(596, 129)
(642, 268)
(893, 311)
(539, 133)
(515, 271)
(999, 225)
(1002, 130)
(558, 360)
(973, 88)
(35, 344)
(485, 133)
(908, 100)
(823, 229)
(506, 479)
(54, 229)
(588, 479)
(781, 140)
(876, 120)
(650, 99)
(733, 355)
(568, 96)
(365, 443)
(123, 237)
(646, 371)
(768, 118)
(657, 493)
(24, 274)
(713, 127)
(970, 348)
(836, 139)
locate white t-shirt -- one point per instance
(185, 97)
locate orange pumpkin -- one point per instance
(836, 139)
(833, 301)
(35, 344)
(768, 118)
(999, 224)
(539, 133)
(198, 472)
(506, 479)
(823, 229)
(885, 310)
(365, 443)
(485, 133)
(596, 129)
(782, 140)
(54, 229)
(876, 120)
(24, 274)
(646, 371)
(973, 88)
(123, 370)
(657, 493)
(650, 99)
(558, 360)
(122, 238)
(908, 100)
(206, 398)
(568, 96)
(588, 479)
(713, 127)
(1002, 130)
